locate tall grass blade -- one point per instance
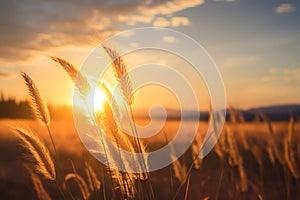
(37, 102)
(39, 155)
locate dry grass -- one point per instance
(38, 104)
(38, 154)
(238, 153)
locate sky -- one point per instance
(254, 43)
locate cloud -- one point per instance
(225, 0)
(171, 22)
(180, 21)
(32, 27)
(240, 61)
(169, 39)
(282, 76)
(161, 22)
(285, 8)
(169, 7)
(128, 34)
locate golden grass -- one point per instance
(38, 153)
(115, 184)
(38, 104)
(38, 186)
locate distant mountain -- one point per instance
(274, 113)
(277, 109)
(277, 112)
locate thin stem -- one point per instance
(170, 169)
(59, 189)
(190, 169)
(187, 188)
(58, 161)
(220, 180)
(50, 135)
(140, 149)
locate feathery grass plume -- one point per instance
(236, 117)
(243, 178)
(180, 170)
(195, 147)
(121, 74)
(38, 155)
(81, 184)
(241, 117)
(82, 83)
(218, 150)
(125, 184)
(42, 194)
(271, 154)
(298, 146)
(256, 117)
(234, 157)
(257, 154)
(37, 102)
(93, 181)
(125, 181)
(242, 133)
(221, 145)
(289, 147)
(108, 124)
(290, 159)
(291, 136)
(233, 115)
(218, 147)
(243, 137)
(271, 139)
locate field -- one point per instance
(261, 168)
(45, 159)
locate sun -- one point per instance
(99, 99)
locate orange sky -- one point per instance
(255, 45)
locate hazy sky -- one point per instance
(256, 44)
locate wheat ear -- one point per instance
(39, 155)
(93, 181)
(121, 74)
(81, 184)
(271, 139)
(81, 82)
(289, 146)
(37, 102)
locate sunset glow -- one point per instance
(99, 99)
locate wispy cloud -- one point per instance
(171, 22)
(239, 60)
(285, 8)
(282, 76)
(180, 21)
(225, 0)
(169, 39)
(38, 26)
(161, 22)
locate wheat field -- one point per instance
(213, 178)
(45, 159)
